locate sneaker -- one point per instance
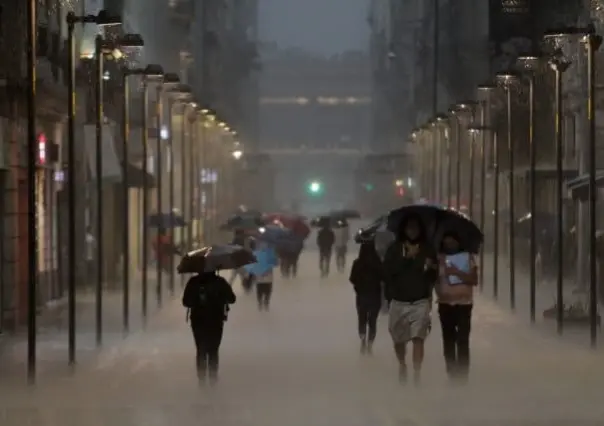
(363, 345)
(402, 374)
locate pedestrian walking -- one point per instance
(410, 272)
(240, 239)
(325, 241)
(455, 291)
(207, 297)
(341, 238)
(366, 277)
(262, 273)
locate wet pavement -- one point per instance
(299, 364)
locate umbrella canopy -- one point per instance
(167, 220)
(438, 220)
(280, 237)
(266, 259)
(368, 232)
(215, 258)
(345, 214)
(328, 221)
(244, 211)
(295, 223)
(244, 223)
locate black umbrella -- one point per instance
(367, 233)
(215, 258)
(328, 221)
(345, 214)
(167, 220)
(438, 220)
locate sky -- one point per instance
(320, 26)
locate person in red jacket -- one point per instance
(164, 248)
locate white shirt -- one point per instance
(342, 235)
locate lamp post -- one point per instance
(508, 80)
(168, 79)
(440, 121)
(559, 65)
(530, 65)
(32, 150)
(101, 48)
(486, 90)
(177, 94)
(459, 111)
(150, 71)
(103, 18)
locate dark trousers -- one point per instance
(324, 261)
(341, 258)
(208, 336)
(456, 321)
(368, 309)
(264, 292)
(289, 264)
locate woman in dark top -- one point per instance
(207, 296)
(366, 277)
(410, 272)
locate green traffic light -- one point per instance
(315, 188)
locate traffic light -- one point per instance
(315, 188)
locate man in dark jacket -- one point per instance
(366, 277)
(410, 273)
(325, 240)
(207, 296)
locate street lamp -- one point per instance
(508, 79)
(530, 64)
(458, 111)
(486, 90)
(440, 120)
(168, 79)
(151, 77)
(559, 64)
(151, 71)
(103, 18)
(103, 47)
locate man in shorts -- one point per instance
(410, 272)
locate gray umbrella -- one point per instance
(216, 257)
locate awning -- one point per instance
(578, 188)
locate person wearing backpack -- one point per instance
(207, 296)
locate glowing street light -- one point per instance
(237, 154)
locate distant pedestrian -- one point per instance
(366, 277)
(455, 291)
(207, 296)
(240, 239)
(410, 272)
(341, 238)
(325, 241)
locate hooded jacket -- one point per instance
(366, 274)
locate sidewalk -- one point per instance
(52, 341)
(545, 298)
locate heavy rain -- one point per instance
(287, 212)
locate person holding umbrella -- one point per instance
(366, 277)
(455, 291)
(341, 238)
(207, 297)
(410, 272)
(262, 271)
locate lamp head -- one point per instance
(106, 19)
(153, 70)
(171, 78)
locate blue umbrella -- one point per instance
(167, 220)
(279, 236)
(266, 260)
